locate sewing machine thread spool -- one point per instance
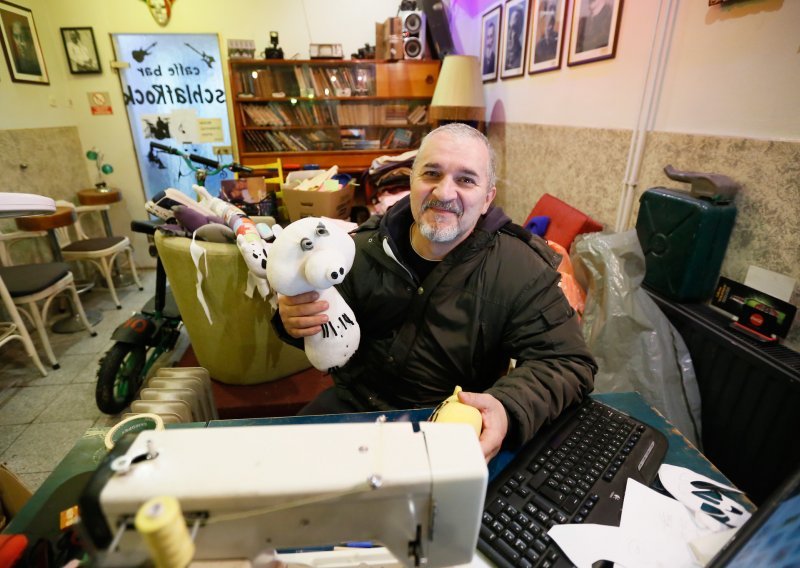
(163, 529)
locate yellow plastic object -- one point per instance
(161, 524)
(240, 347)
(451, 410)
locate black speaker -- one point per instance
(413, 26)
(441, 41)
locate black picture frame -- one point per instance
(594, 30)
(515, 38)
(548, 28)
(491, 31)
(21, 45)
(81, 50)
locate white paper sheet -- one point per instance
(654, 531)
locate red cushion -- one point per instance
(566, 222)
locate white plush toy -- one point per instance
(314, 254)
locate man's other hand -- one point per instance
(495, 420)
(302, 314)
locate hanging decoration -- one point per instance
(161, 10)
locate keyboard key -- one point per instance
(487, 534)
(496, 506)
(505, 549)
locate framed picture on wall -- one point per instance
(594, 30)
(21, 44)
(547, 35)
(490, 42)
(515, 29)
(81, 50)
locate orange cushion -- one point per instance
(566, 222)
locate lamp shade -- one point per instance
(459, 90)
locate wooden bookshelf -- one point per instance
(329, 112)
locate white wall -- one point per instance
(732, 71)
(65, 101)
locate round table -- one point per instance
(63, 217)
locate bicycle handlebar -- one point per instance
(200, 159)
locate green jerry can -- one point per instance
(684, 236)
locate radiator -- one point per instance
(750, 395)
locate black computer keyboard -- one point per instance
(573, 471)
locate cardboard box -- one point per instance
(333, 204)
(13, 495)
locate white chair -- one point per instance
(23, 287)
(100, 251)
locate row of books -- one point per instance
(277, 114)
(321, 140)
(344, 114)
(394, 114)
(281, 141)
(305, 81)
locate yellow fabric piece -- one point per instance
(240, 347)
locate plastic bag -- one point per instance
(635, 346)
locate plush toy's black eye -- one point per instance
(321, 230)
(306, 244)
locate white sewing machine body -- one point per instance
(257, 488)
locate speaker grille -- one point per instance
(413, 48)
(413, 23)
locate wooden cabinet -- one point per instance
(329, 112)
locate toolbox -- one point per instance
(684, 235)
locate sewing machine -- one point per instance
(417, 489)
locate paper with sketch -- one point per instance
(703, 494)
(654, 531)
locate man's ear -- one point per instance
(489, 198)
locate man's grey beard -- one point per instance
(441, 235)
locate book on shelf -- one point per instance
(395, 113)
(418, 115)
(397, 138)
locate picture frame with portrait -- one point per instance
(515, 33)
(548, 26)
(594, 30)
(490, 42)
(81, 50)
(21, 45)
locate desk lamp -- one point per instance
(459, 93)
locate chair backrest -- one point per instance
(63, 234)
(7, 241)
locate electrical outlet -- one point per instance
(52, 100)
(223, 151)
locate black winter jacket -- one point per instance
(493, 298)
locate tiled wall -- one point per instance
(45, 161)
(586, 167)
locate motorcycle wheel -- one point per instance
(119, 377)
